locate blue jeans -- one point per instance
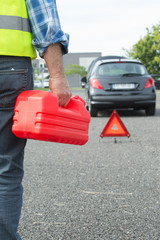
(15, 77)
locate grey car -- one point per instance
(119, 83)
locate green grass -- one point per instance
(43, 89)
(47, 89)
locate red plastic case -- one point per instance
(38, 116)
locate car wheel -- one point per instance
(150, 111)
(92, 110)
(87, 107)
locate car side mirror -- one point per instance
(83, 82)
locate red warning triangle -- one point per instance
(115, 127)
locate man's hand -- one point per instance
(59, 86)
(58, 83)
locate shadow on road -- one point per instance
(124, 112)
(127, 113)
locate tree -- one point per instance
(74, 69)
(147, 50)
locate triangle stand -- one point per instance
(115, 128)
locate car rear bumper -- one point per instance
(124, 101)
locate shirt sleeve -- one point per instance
(45, 25)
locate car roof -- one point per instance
(109, 59)
(99, 62)
(105, 58)
(112, 58)
(103, 61)
(118, 60)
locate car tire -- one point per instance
(87, 107)
(150, 111)
(92, 110)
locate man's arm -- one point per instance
(58, 83)
(50, 41)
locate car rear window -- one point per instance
(121, 69)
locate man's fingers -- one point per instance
(63, 100)
(61, 89)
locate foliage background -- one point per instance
(147, 50)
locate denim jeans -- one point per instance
(15, 77)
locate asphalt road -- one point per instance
(100, 191)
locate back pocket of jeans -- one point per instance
(12, 83)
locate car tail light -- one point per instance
(149, 83)
(95, 83)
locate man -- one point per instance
(16, 51)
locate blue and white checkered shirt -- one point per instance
(45, 25)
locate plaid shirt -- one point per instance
(45, 25)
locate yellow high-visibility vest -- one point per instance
(15, 30)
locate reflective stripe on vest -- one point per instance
(15, 23)
(15, 31)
